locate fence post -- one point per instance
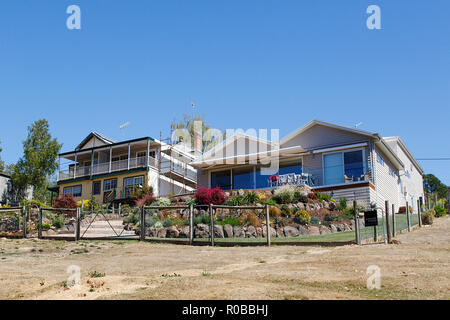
(40, 224)
(211, 216)
(357, 231)
(393, 220)
(419, 209)
(24, 221)
(268, 225)
(142, 219)
(407, 217)
(191, 224)
(77, 230)
(388, 227)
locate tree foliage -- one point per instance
(432, 184)
(2, 164)
(38, 162)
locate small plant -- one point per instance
(125, 209)
(440, 211)
(271, 202)
(300, 197)
(174, 275)
(167, 223)
(286, 211)
(284, 195)
(323, 196)
(312, 196)
(202, 219)
(205, 273)
(179, 222)
(95, 274)
(58, 222)
(274, 211)
(46, 226)
(315, 220)
(145, 200)
(234, 222)
(428, 217)
(302, 217)
(205, 196)
(342, 204)
(236, 201)
(249, 219)
(164, 202)
(132, 219)
(251, 197)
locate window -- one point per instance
(153, 154)
(109, 184)
(131, 183)
(243, 178)
(96, 187)
(380, 160)
(73, 190)
(221, 179)
(141, 158)
(344, 167)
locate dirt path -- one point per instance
(418, 268)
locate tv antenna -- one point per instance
(358, 124)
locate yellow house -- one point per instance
(110, 171)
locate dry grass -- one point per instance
(417, 268)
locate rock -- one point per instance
(172, 232)
(301, 206)
(332, 205)
(201, 231)
(272, 231)
(280, 232)
(251, 232)
(303, 230)
(184, 232)
(162, 233)
(228, 231)
(313, 230)
(340, 227)
(238, 232)
(324, 230)
(291, 232)
(218, 231)
(326, 205)
(259, 232)
(333, 228)
(151, 232)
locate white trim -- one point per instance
(350, 146)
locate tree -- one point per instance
(2, 164)
(38, 162)
(432, 184)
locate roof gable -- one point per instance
(94, 139)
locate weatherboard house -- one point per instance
(326, 157)
(109, 171)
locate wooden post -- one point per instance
(357, 230)
(211, 216)
(78, 229)
(419, 216)
(407, 216)
(375, 233)
(142, 216)
(40, 224)
(388, 227)
(393, 220)
(24, 221)
(191, 224)
(268, 225)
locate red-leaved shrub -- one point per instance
(66, 202)
(205, 196)
(145, 200)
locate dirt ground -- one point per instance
(417, 268)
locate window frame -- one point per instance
(364, 161)
(107, 180)
(72, 191)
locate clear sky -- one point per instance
(245, 64)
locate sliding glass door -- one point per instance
(333, 168)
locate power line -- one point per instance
(432, 159)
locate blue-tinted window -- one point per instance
(221, 179)
(243, 178)
(354, 167)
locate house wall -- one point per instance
(362, 195)
(5, 183)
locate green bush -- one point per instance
(58, 222)
(440, 211)
(251, 197)
(315, 220)
(164, 202)
(236, 201)
(428, 217)
(342, 204)
(284, 195)
(302, 217)
(286, 211)
(132, 219)
(167, 223)
(125, 209)
(271, 202)
(150, 222)
(202, 219)
(300, 197)
(46, 226)
(323, 196)
(229, 220)
(179, 222)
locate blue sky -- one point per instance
(245, 64)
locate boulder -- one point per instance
(201, 231)
(218, 231)
(301, 206)
(280, 232)
(162, 233)
(324, 230)
(228, 231)
(303, 230)
(333, 228)
(238, 232)
(251, 232)
(291, 232)
(259, 232)
(172, 232)
(151, 232)
(184, 232)
(272, 231)
(332, 205)
(313, 230)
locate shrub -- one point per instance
(300, 197)
(428, 217)
(158, 225)
(271, 202)
(132, 219)
(274, 211)
(286, 211)
(279, 221)
(284, 195)
(179, 222)
(440, 211)
(323, 196)
(32, 203)
(167, 223)
(315, 220)
(342, 204)
(229, 220)
(205, 196)
(145, 200)
(58, 222)
(66, 202)
(46, 226)
(125, 209)
(204, 219)
(140, 192)
(312, 196)
(249, 219)
(251, 197)
(302, 217)
(164, 202)
(236, 201)
(150, 222)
